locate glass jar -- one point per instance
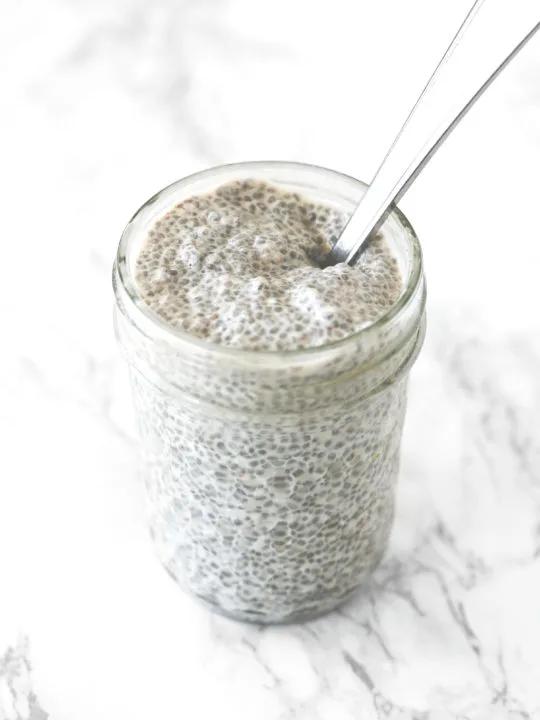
(270, 476)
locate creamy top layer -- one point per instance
(239, 266)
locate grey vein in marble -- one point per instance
(17, 698)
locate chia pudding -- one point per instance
(270, 393)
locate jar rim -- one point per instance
(152, 325)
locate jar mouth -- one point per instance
(153, 326)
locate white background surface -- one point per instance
(102, 104)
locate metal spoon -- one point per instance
(466, 70)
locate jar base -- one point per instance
(293, 618)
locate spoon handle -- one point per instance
(484, 45)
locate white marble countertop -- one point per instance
(102, 104)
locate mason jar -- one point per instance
(270, 476)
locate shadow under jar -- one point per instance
(270, 476)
